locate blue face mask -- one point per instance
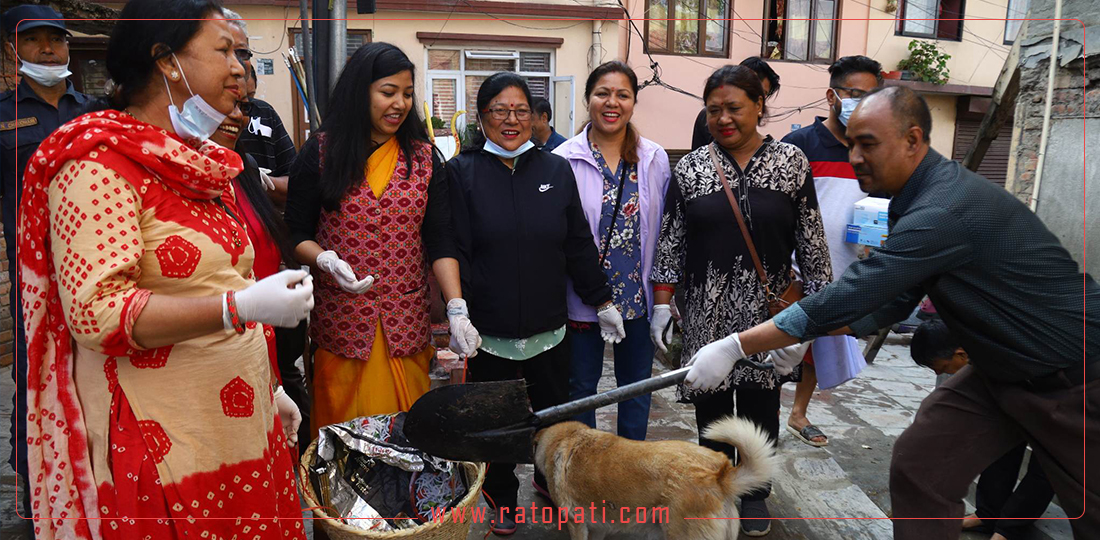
(197, 120)
(496, 150)
(847, 105)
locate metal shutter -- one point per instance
(994, 165)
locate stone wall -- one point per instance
(1068, 201)
(1069, 197)
(1071, 94)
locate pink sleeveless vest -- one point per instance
(380, 237)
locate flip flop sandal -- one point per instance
(807, 434)
(542, 491)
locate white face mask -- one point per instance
(847, 105)
(197, 120)
(48, 76)
(497, 150)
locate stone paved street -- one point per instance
(848, 478)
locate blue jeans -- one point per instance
(633, 363)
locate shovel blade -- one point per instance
(480, 422)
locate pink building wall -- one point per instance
(667, 117)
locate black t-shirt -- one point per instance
(266, 140)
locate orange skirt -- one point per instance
(347, 388)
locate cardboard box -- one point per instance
(871, 210)
(866, 234)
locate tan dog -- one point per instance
(646, 488)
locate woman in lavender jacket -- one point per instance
(622, 178)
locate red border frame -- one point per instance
(1084, 123)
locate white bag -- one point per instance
(837, 360)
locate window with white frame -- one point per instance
(1017, 9)
(455, 75)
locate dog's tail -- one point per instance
(758, 461)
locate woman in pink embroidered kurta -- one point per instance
(154, 410)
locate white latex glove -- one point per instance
(341, 271)
(787, 358)
(289, 414)
(611, 324)
(662, 316)
(711, 365)
(464, 337)
(266, 180)
(272, 301)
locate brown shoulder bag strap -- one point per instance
(741, 222)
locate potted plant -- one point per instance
(926, 62)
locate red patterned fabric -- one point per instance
(137, 491)
(131, 175)
(379, 236)
(268, 257)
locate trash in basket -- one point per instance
(365, 471)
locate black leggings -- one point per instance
(547, 377)
(1003, 506)
(290, 343)
(758, 405)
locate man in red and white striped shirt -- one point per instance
(850, 78)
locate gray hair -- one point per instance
(235, 18)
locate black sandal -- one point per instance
(807, 435)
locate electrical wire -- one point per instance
(282, 38)
(742, 19)
(655, 79)
(932, 15)
(452, 12)
(977, 66)
(506, 21)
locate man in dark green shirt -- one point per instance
(1008, 290)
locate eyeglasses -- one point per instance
(502, 113)
(855, 93)
(246, 106)
(243, 55)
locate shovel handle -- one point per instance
(565, 411)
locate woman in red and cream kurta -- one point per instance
(367, 205)
(148, 416)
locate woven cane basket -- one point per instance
(445, 529)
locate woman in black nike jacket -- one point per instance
(522, 236)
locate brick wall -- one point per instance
(1070, 89)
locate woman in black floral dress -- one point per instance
(701, 249)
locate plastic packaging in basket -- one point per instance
(364, 478)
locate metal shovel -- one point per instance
(493, 421)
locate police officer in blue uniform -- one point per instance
(41, 103)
